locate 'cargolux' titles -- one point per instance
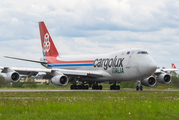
(108, 62)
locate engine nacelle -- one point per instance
(150, 81)
(60, 80)
(164, 78)
(11, 76)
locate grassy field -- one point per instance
(89, 105)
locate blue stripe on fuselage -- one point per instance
(69, 65)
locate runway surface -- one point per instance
(51, 90)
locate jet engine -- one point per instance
(60, 80)
(11, 76)
(150, 81)
(164, 78)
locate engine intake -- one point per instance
(164, 78)
(60, 80)
(11, 76)
(150, 81)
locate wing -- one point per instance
(12, 74)
(158, 71)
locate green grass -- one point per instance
(89, 105)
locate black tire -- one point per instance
(100, 87)
(82, 87)
(79, 87)
(71, 87)
(111, 87)
(141, 88)
(137, 88)
(93, 87)
(86, 87)
(118, 87)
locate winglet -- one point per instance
(173, 66)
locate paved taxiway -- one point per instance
(47, 90)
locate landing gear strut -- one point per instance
(114, 87)
(139, 87)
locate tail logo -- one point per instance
(173, 66)
(46, 44)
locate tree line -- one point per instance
(30, 83)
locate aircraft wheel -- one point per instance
(141, 88)
(137, 88)
(82, 87)
(111, 87)
(72, 87)
(86, 87)
(100, 87)
(79, 87)
(93, 87)
(118, 87)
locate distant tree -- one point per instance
(4, 83)
(175, 81)
(173, 73)
(34, 84)
(17, 84)
(30, 83)
(1, 81)
(128, 84)
(46, 83)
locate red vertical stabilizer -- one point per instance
(173, 66)
(48, 46)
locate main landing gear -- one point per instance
(93, 85)
(97, 87)
(114, 87)
(139, 87)
(79, 87)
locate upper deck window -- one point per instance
(142, 52)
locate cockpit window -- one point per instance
(142, 52)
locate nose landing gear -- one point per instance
(139, 87)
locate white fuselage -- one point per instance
(124, 65)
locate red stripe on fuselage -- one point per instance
(53, 60)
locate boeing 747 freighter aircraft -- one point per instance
(84, 71)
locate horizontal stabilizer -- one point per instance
(42, 62)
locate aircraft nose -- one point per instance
(152, 66)
(147, 66)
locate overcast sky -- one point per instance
(90, 26)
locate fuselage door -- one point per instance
(129, 56)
